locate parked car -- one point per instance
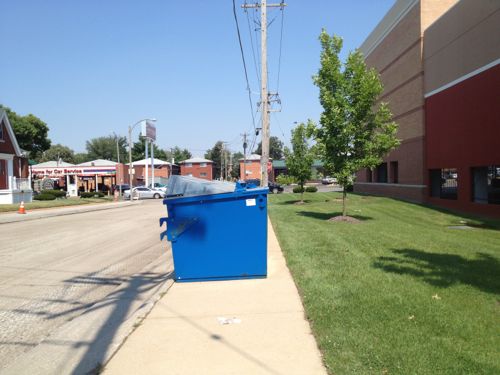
(329, 180)
(142, 192)
(273, 186)
(158, 186)
(123, 188)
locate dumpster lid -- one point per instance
(186, 186)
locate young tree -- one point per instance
(31, 133)
(300, 159)
(275, 148)
(355, 131)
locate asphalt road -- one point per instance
(65, 270)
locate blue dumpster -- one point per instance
(218, 231)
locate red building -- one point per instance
(15, 185)
(197, 167)
(439, 63)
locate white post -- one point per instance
(96, 184)
(152, 164)
(146, 165)
(10, 173)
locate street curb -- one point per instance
(61, 211)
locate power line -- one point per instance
(251, 43)
(244, 63)
(281, 43)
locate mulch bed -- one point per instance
(347, 219)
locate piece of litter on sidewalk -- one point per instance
(223, 320)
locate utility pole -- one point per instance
(221, 161)
(245, 145)
(264, 96)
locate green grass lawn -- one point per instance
(399, 292)
(55, 203)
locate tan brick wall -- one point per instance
(406, 33)
(469, 35)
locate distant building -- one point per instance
(15, 185)
(197, 167)
(96, 175)
(253, 169)
(163, 170)
(439, 63)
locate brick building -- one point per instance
(438, 61)
(197, 167)
(162, 171)
(252, 168)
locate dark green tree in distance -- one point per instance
(31, 133)
(354, 130)
(139, 151)
(178, 154)
(275, 148)
(215, 154)
(235, 172)
(300, 158)
(58, 152)
(105, 148)
(82, 157)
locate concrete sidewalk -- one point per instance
(13, 217)
(225, 327)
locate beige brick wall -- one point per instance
(466, 39)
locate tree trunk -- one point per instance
(344, 197)
(301, 193)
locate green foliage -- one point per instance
(354, 132)
(44, 197)
(298, 189)
(275, 148)
(235, 173)
(139, 150)
(215, 154)
(300, 159)
(31, 132)
(95, 194)
(58, 152)
(82, 157)
(178, 154)
(285, 179)
(55, 193)
(105, 148)
(311, 189)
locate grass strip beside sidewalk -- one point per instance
(55, 203)
(398, 293)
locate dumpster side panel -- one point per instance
(223, 239)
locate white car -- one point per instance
(158, 186)
(142, 192)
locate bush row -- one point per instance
(308, 189)
(95, 194)
(44, 197)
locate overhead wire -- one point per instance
(244, 63)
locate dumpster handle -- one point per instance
(177, 230)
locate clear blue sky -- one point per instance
(90, 68)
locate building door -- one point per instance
(3, 174)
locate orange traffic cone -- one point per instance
(22, 210)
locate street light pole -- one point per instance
(130, 128)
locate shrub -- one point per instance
(95, 194)
(311, 189)
(44, 197)
(298, 189)
(55, 193)
(285, 180)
